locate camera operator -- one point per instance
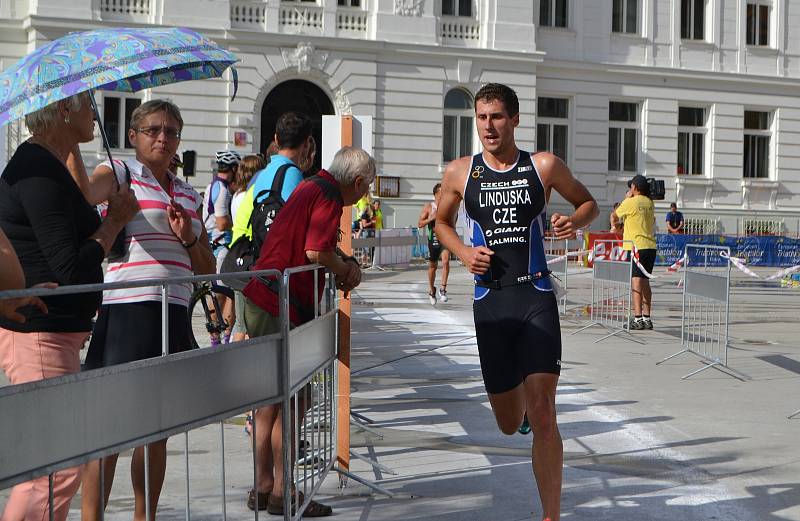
(638, 213)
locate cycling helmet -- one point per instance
(228, 158)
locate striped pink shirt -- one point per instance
(153, 250)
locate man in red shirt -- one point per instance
(305, 231)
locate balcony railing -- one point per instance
(300, 19)
(249, 14)
(125, 9)
(458, 30)
(351, 22)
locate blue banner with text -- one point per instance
(763, 250)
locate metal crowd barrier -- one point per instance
(390, 247)
(611, 290)
(62, 422)
(555, 249)
(706, 309)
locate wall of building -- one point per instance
(398, 65)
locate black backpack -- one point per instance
(244, 252)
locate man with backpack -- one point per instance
(270, 189)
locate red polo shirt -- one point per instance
(309, 221)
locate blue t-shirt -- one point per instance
(263, 178)
(674, 219)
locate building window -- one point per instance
(691, 140)
(552, 126)
(553, 13)
(756, 143)
(693, 19)
(623, 136)
(758, 23)
(457, 7)
(458, 125)
(624, 16)
(349, 3)
(117, 112)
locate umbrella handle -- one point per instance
(102, 133)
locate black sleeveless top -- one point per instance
(507, 214)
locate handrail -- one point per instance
(141, 283)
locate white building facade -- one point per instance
(702, 94)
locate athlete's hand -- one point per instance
(478, 259)
(563, 226)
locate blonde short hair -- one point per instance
(44, 118)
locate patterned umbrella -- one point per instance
(109, 59)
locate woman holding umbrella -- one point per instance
(59, 238)
(166, 239)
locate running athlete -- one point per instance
(427, 219)
(505, 193)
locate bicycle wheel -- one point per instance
(199, 318)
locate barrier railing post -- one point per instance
(286, 420)
(705, 315)
(611, 290)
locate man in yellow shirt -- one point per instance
(638, 214)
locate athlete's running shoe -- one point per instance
(525, 428)
(432, 297)
(443, 295)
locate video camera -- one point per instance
(657, 190)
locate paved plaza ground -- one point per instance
(640, 443)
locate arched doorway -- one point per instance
(299, 96)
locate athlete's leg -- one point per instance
(548, 449)
(432, 265)
(445, 267)
(509, 409)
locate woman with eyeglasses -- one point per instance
(166, 239)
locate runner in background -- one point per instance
(427, 220)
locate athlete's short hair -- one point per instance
(499, 92)
(292, 129)
(436, 188)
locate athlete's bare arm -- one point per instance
(557, 176)
(425, 216)
(455, 176)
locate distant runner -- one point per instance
(427, 220)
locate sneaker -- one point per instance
(432, 297)
(636, 324)
(443, 295)
(648, 324)
(525, 428)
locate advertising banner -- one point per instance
(764, 250)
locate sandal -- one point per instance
(314, 509)
(263, 499)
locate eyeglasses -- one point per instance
(154, 131)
